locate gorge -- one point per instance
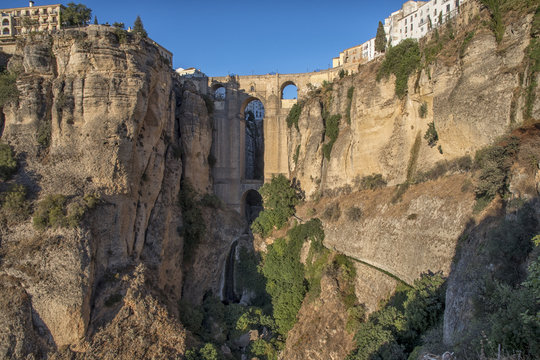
(132, 227)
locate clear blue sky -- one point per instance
(247, 36)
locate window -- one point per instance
(448, 8)
(405, 21)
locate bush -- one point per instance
(497, 24)
(422, 111)
(372, 182)
(211, 201)
(279, 201)
(8, 88)
(431, 135)
(332, 212)
(14, 204)
(8, 165)
(44, 133)
(285, 273)
(194, 226)
(395, 330)
(294, 115)
(354, 213)
(52, 211)
(494, 163)
(401, 60)
(296, 154)
(350, 93)
(331, 130)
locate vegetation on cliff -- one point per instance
(279, 201)
(401, 60)
(8, 164)
(394, 331)
(8, 87)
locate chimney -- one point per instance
(31, 3)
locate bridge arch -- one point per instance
(219, 91)
(252, 205)
(253, 116)
(289, 84)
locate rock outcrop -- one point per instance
(100, 114)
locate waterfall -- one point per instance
(228, 294)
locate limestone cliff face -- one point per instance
(471, 99)
(98, 114)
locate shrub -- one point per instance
(50, 212)
(332, 212)
(14, 204)
(211, 200)
(372, 182)
(8, 165)
(497, 24)
(401, 60)
(342, 73)
(285, 281)
(350, 93)
(354, 213)
(279, 201)
(431, 135)
(296, 154)
(395, 330)
(194, 226)
(285, 273)
(8, 88)
(331, 130)
(422, 111)
(44, 133)
(494, 163)
(294, 115)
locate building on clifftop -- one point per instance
(23, 20)
(413, 21)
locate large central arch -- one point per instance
(252, 113)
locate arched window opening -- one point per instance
(220, 93)
(254, 115)
(253, 205)
(289, 91)
(5, 22)
(5, 31)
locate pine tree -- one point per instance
(380, 39)
(95, 21)
(138, 27)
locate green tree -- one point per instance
(279, 201)
(75, 14)
(380, 38)
(8, 164)
(96, 20)
(138, 27)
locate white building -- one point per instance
(190, 72)
(413, 21)
(257, 108)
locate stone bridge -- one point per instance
(229, 139)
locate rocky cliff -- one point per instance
(100, 116)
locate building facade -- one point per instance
(19, 21)
(413, 21)
(23, 20)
